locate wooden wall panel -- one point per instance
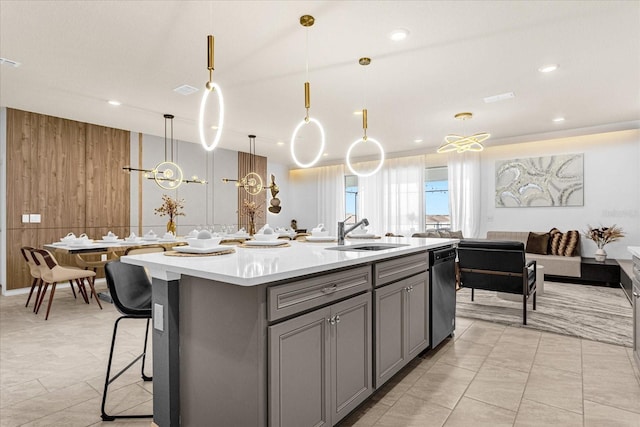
(244, 167)
(48, 160)
(108, 186)
(24, 130)
(61, 173)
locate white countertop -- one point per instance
(255, 266)
(635, 251)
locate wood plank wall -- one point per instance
(244, 167)
(68, 172)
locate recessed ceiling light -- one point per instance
(357, 112)
(325, 154)
(280, 143)
(548, 68)
(558, 119)
(214, 127)
(114, 102)
(417, 141)
(399, 34)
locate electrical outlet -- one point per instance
(25, 218)
(158, 317)
(103, 257)
(35, 218)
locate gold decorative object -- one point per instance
(172, 208)
(167, 174)
(252, 210)
(275, 202)
(460, 143)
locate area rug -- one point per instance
(596, 313)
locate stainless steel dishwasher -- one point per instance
(442, 276)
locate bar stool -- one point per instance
(130, 289)
(51, 273)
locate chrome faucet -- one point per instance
(342, 232)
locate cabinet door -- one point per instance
(636, 322)
(299, 371)
(417, 314)
(351, 354)
(390, 334)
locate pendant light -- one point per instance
(307, 21)
(252, 182)
(211, 86)
(459, 143)
(365, 139)
(167, 174)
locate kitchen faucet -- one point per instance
(342, 232)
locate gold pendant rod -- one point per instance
(364, 123)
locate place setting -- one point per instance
(266, 237)
(203, 244)
(320, 234)
(362, 233)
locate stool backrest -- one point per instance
(129, 287)
(145, 250)
(34, 270)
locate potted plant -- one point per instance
(172, 208)
(602, 236)
(251, 209)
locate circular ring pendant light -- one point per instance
(353, 145)
(307, 21)
(168, 175)
(365, 139)
(210, 86)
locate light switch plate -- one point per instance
(158, 317)
(25, 218)
(35, 218)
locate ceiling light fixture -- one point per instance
(399, 34)
(210, 86)
(558, 120)
(461, 144)
(307, 21)
(548, 68)
(167, 174)
(417, 141)
(114, 102)
(500, 97)
(365, 139)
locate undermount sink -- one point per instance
(365, 247)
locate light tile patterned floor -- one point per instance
(52, 374)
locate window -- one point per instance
(436, 198)
(351, 198)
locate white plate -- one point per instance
(82, 246)
(321, 238)
(265, 242)
(150, 239)
(168, 240)
(191, 250)
(240, 235)
(130, 242)
(362, 236)
(109, 241)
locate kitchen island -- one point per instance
(284, 336)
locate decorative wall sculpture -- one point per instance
(540, 181)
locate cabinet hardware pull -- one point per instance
(338, 319)
(330, 289)
(637, 295)
(332, 320)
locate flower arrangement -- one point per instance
(251, 209)
(604, 235)
(171, 207)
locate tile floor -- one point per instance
(52, 374)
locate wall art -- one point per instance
(540, 181)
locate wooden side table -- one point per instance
(607, 271)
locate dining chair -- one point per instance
(147, 249)
(86, 263)
(52, 273)
(130, 289)
(34, 270)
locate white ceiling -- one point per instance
(76, 55)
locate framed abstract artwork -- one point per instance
(540, 181)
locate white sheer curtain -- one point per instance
(331, 196)
(464, 193)
(393, 199)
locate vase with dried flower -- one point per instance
(602, 236)
(172, 208)
(252, 210)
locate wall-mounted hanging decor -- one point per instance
(540, 181)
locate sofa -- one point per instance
(554, 265)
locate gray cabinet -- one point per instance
(401, 324)
(320, 364)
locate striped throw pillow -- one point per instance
(563, 244)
